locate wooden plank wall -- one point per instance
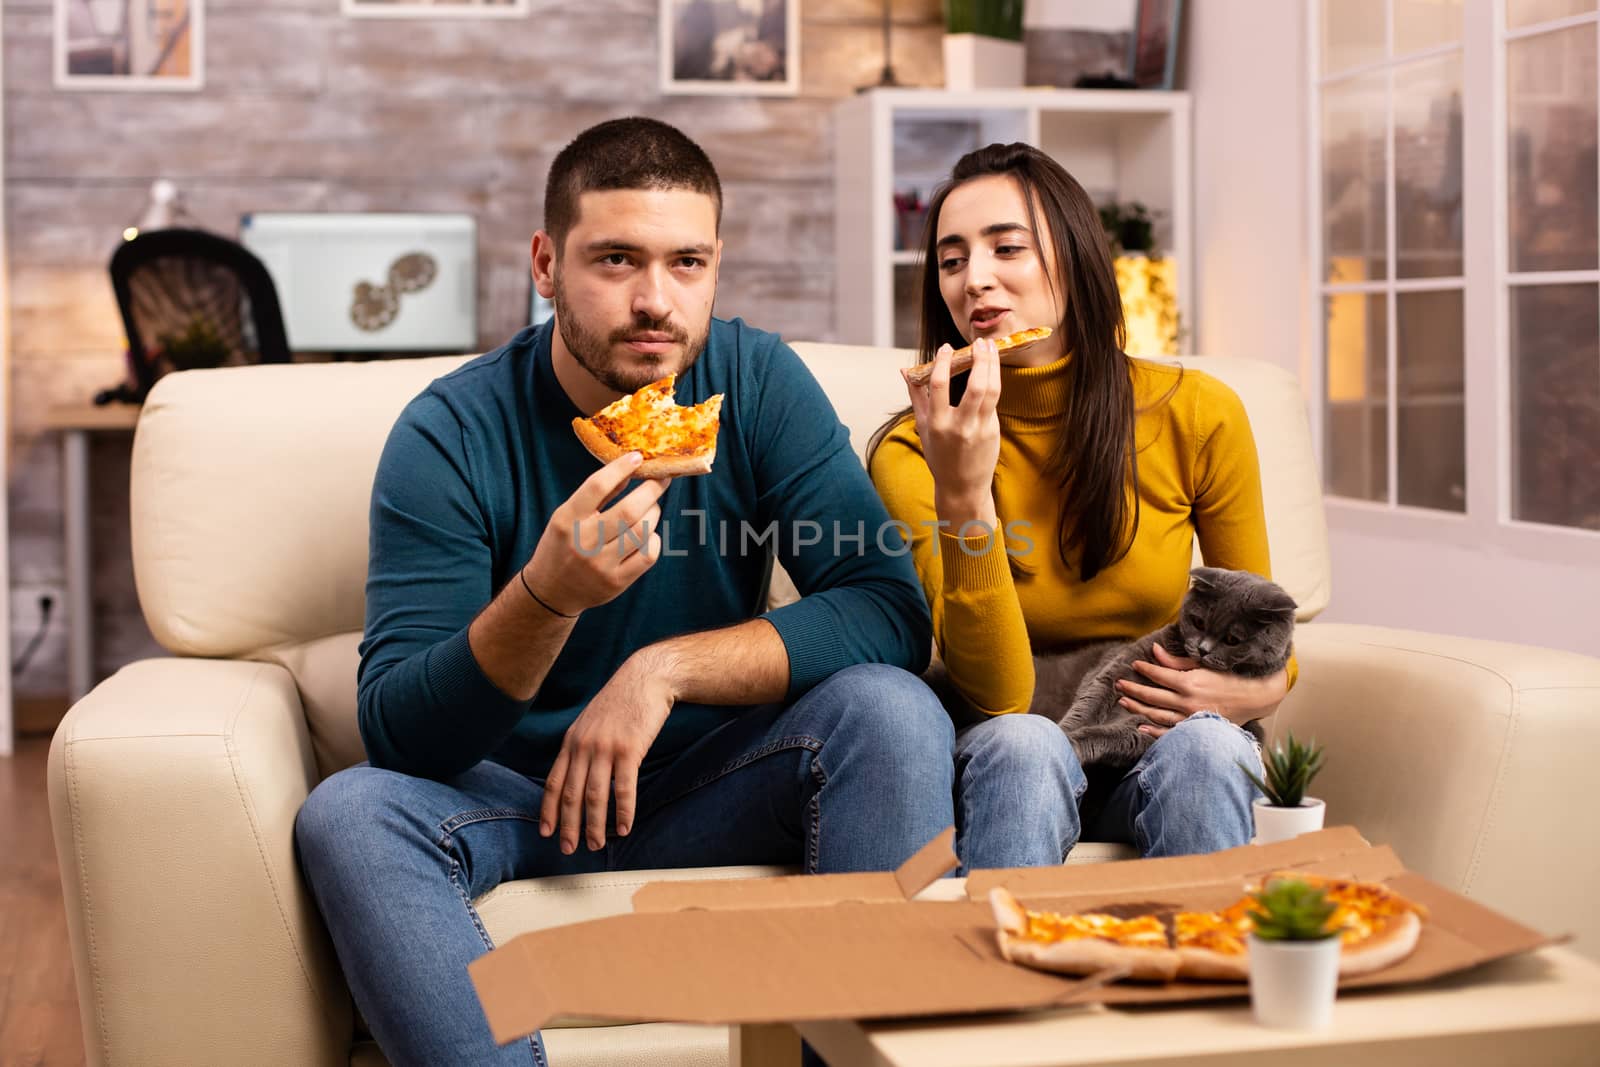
(305, 110)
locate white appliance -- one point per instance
(370, 282)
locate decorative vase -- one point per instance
(1293, 983)
(1280, 824)
(977, 61)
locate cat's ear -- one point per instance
(1271, 599)
(1208, 579)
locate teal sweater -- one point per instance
(469, 478)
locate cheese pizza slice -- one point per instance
(1377, 927)
(1082, 944)
(673, 440)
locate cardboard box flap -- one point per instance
(760, 965)
(1338, 850)
(930, 862)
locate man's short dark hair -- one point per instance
(631, 153)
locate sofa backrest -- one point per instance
(250, 490)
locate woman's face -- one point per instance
(994, 271)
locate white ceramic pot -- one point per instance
(1293, 983)
(1280, 824)
(974, 61)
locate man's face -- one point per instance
(634, 284)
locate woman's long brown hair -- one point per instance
(1094, 460)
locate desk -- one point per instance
(1538, 1008)
(75, 422)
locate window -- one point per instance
(1460, 312)
(1552, 261)
(1389, 88)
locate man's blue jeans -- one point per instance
(854, 776)
(1022, 799)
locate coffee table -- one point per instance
(1538, 1008)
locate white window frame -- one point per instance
(1486, 286)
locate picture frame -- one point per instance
(1153, 45)
(97, 45)
(743, 47)
(434, 9)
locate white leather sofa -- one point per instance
(174, 784)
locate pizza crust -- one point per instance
(961, 358)
(1209, 964)
(1087, 955)
(1388, 946)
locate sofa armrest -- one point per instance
(1472, 758)
(173, 791)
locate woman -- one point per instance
(1055, 500)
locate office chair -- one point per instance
(192, 299)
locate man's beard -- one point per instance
(594, 351)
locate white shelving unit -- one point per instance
(1120, 144)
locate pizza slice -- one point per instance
(1213, 944)
(674, 440)
(1082, 944)
(961, 358)
(1377, 927)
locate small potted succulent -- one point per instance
(1294, 956)
(983, 44)
(1285, 811)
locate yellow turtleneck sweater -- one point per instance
(1198, 477)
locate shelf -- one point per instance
(1120, 145)
(961, 104)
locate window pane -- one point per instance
(1357, 445)
(1352, 34)
(1551, 127)
(1354, 181)
(1430, 431)
(1427, 168)
(1527, 12)
(1555, 404)
(1420, 24)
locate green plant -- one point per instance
(991, 18)
(1287, 909)
(1290, 767)
(198, 345)
(1130, 227)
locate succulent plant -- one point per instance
(1287, 909)
(991, 18)
(1290, 767)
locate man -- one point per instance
(552, 682)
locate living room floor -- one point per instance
(38, 1002)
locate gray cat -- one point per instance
(1234, 622)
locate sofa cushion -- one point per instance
(249, 499)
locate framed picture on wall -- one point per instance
(433, 9)
(114, 44)
(730, 46)
(1153, 51)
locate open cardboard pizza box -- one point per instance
(857, 946)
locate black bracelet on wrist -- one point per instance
(540, 600)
